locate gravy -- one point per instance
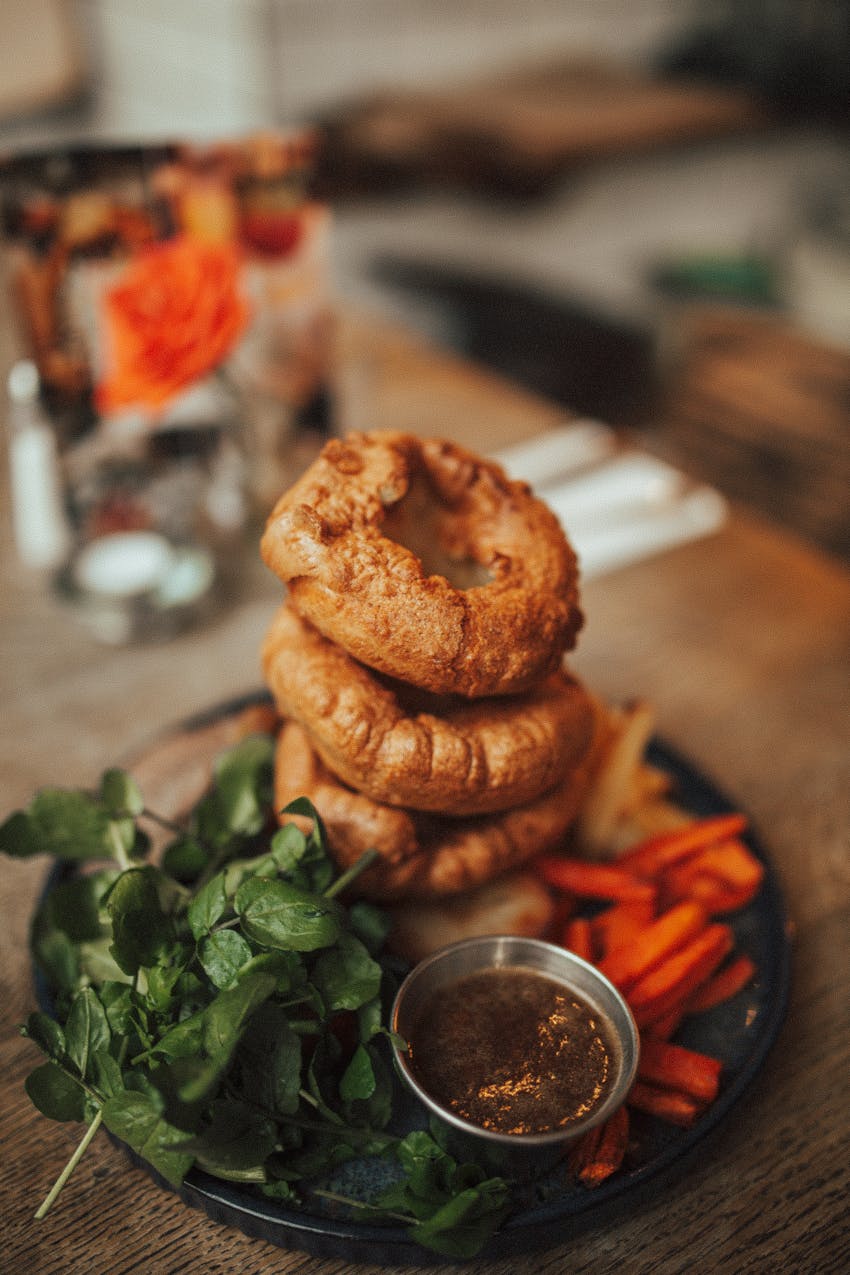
(512, 1051)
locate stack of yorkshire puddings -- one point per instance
(417, 665)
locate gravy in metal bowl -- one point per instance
(512, 1051)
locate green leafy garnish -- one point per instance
(222, 1007)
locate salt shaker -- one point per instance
(39, 524)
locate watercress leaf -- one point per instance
(56, 955)
(242, 784)
(235, 873)
(45, 1032)
(162, 980)
(315, 868)
(207, 906)
(287, 967)
(183, 1040)
(303, 806)
(238, 870)
(184, 859)
(320, 874)
(321, 1076)
(191, 990)
(464, 1224)
(18, 836)
(140, 1082)
(97, 964)
(74, 906)
(86, 1029)
(346, 975)
(234, 1142)
(320, 1153)
(269, 1061)
(465, 1175)
(369, 1019)
(135, 1118)
(358, 1080)
(226, 1017)
(105, 1073)
(280, 1190)
(120, 794)
(426, 1165)
(223, 955)
(184, 1087)
(288, 845)
(209, 825)
(277, 914)
(69, 824)
(370, 923)
(141, 931)
(118, 1000)
(372, 1108)
(55, 1093)
(393, 1198)
(214, 1031)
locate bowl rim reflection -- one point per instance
(501, 951)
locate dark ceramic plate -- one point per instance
(740, 1032)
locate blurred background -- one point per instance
(638, 208)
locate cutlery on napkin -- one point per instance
(616, 505)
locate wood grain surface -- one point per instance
(742, 643)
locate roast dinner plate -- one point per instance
(740, 1032)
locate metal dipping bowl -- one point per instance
(515, 1155)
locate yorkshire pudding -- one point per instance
(452, 756)
(421, 855)
(427, 563)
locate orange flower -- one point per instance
(175, 314)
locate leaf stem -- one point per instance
(329, 1114)
(226, 925)
(53, 1194)
(168, 824)
(338, 1198)
(342, 882)
(118, 852)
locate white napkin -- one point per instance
(616, 505)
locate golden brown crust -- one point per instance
(422, 855)
(453, 757)
(339, 539)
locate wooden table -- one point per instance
(742, 643)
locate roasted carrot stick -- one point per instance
(675, 1108)
(582, 1152)
(666, 1026)
(665, 848)
(676, 979)
(593, 880)
(578, 937)
(733, 862)
(621, 923)
(608, 1151)
(715, 896)
(675, 1067)
(727, 982)
(654, 944)
(722, 877)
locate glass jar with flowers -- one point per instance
(156, 490)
